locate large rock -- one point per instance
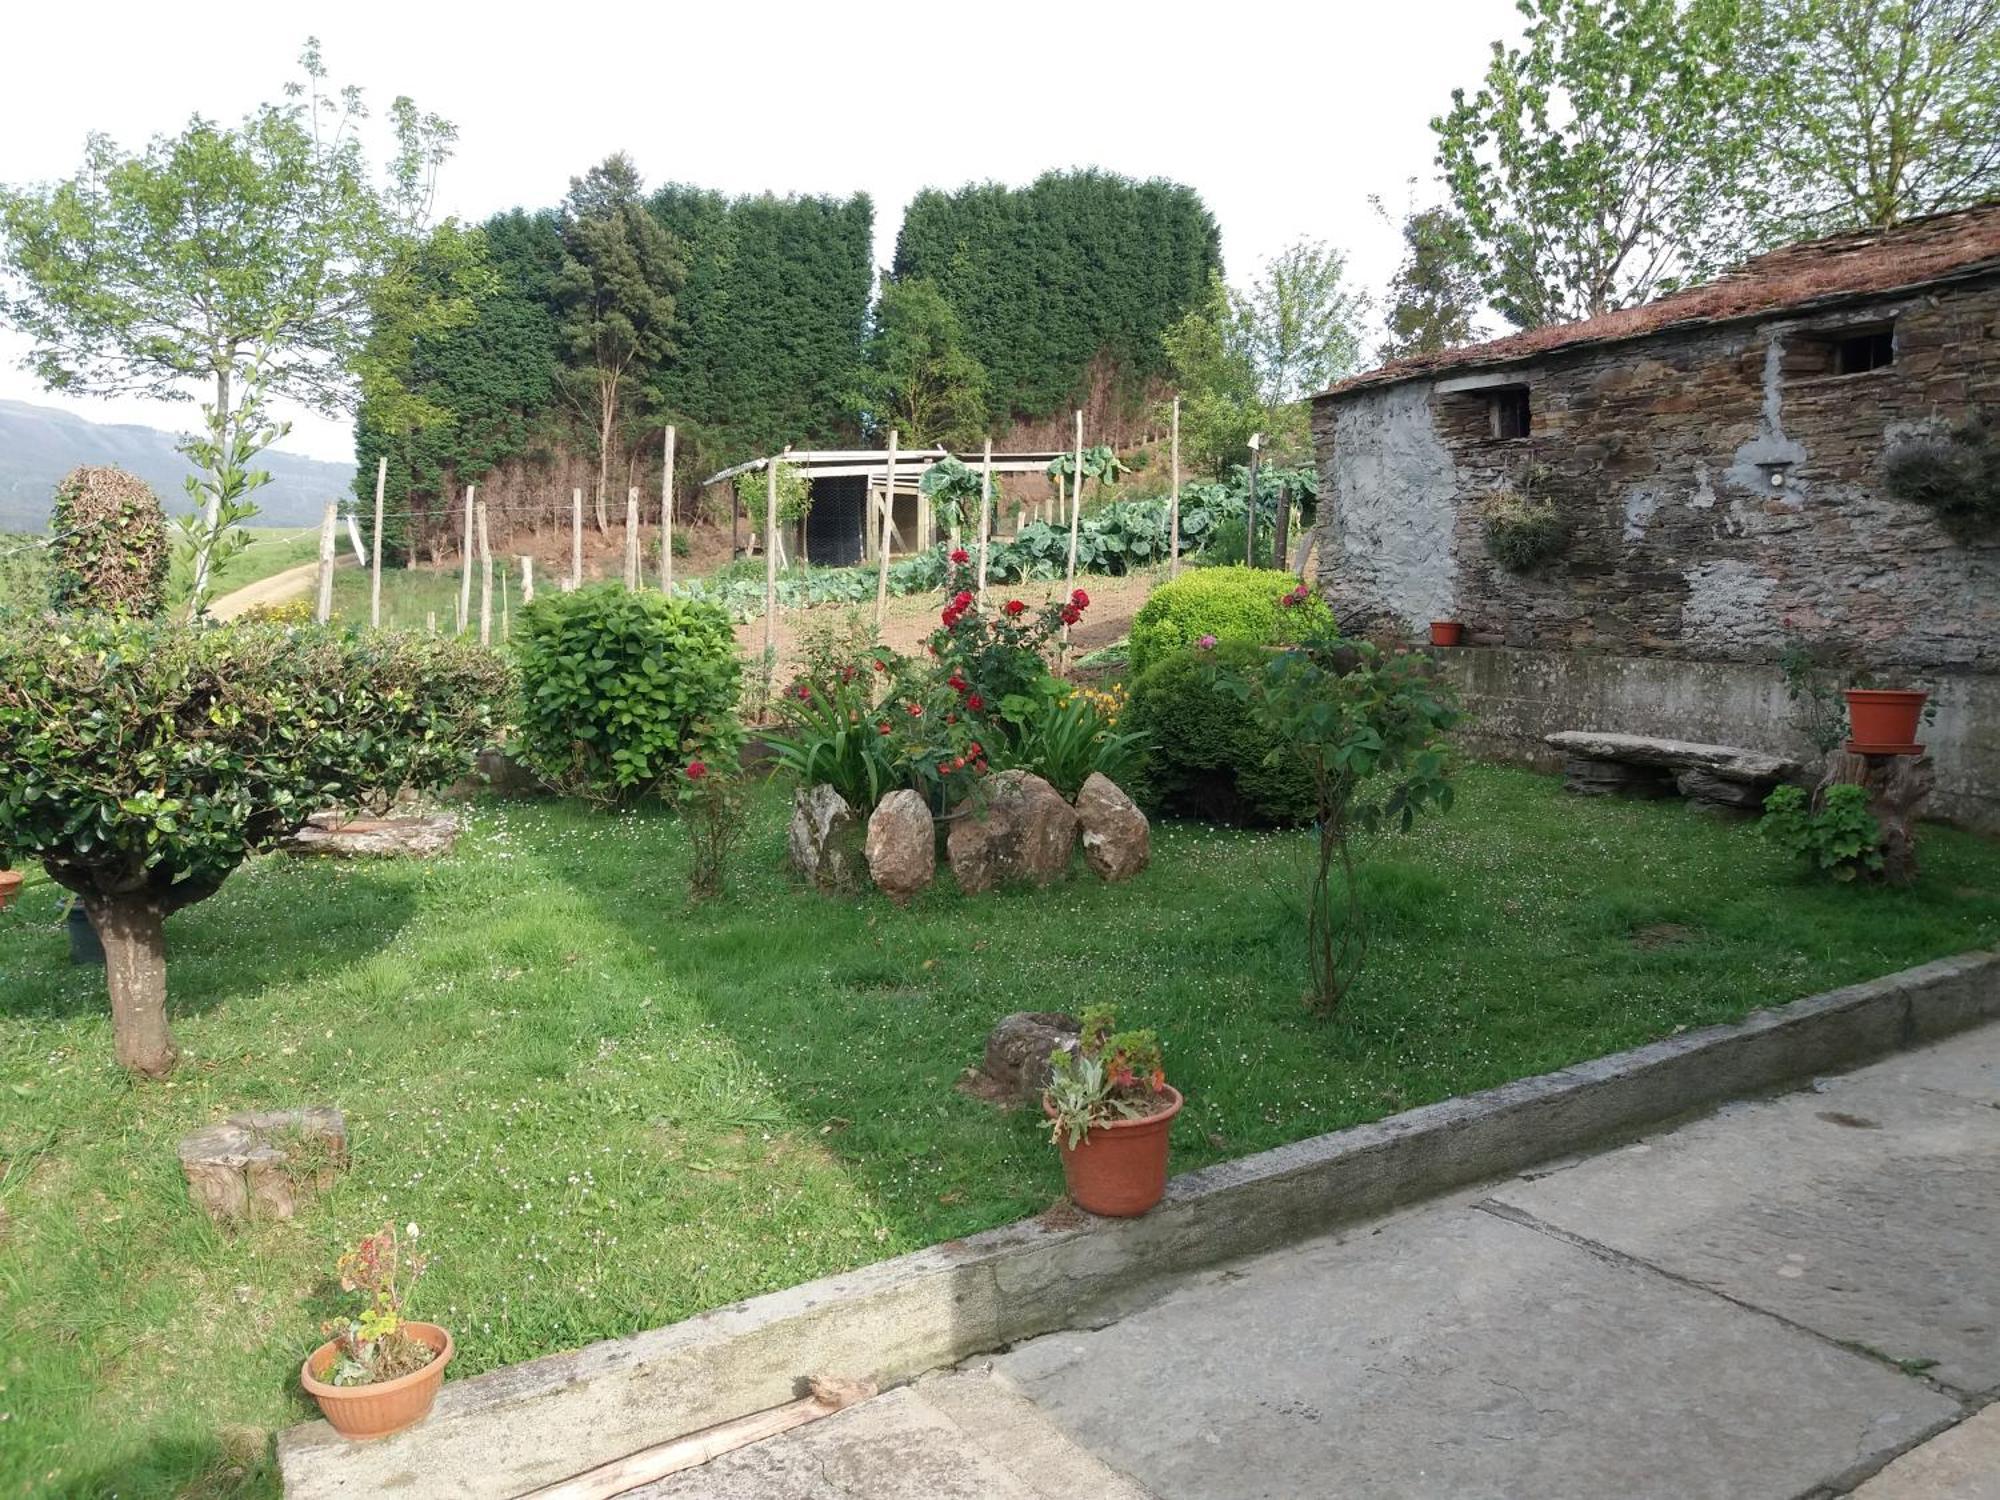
(262, 1164)
(1016, 1067)
(1117, 842)
(375, 838)
(1729, 762)
(825, 840)
(902, 845)
(1024, 831)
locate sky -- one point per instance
(1284, 117)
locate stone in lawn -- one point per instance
(1117, 841)
(261, 1164)
(1024, 831)
(1016, 1069)
(824, 840)
(902, 845)
(375, 838)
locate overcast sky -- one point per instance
(1284, 117)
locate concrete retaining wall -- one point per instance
(1515, 697)
(510, 1430)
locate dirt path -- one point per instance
(277, 589)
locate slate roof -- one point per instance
(1863, 263)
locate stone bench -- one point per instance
(1600, 764)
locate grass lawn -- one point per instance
(607, 1111)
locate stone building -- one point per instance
(1713, 464)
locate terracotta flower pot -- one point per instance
(10, 887)
(1447, 632)
(1884, 722)
(1120, 1168)
(372, 1411)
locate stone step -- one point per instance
(1731, 762)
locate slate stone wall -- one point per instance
(1715, 482)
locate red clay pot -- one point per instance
(1447, 632)
(1884, 722)
(372, 1411)
(1120, 1168)
(10, 887)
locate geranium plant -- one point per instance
(372, 1344)
(1112, 1075)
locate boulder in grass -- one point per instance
(1016, 1066)
(1020, 831)
(1117, 840)
(902, 845)
(824, 840)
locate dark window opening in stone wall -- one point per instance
(1840, 351)
(1509, 413)
(1861, 352)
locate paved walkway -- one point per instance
(1789, 1300)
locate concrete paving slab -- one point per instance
(905, 1446)
(1968, 1064)
(1960, 1464)
(1455, 1354)
(1864, 1210)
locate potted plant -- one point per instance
(1446, 632)
(1110, 1109)
(1883, 721)
(10, 885)
(380, 1372)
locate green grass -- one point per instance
(607, 1111)
(410, 595)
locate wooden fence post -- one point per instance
(1174, 501)
(576, 537)
(882, 554)
(324, 610)
(632, 539)
(1075, 503)
(985, 514)
(375, 567)
(527, 581)
(667, 516)
(485, 582)
(770, 557)
(465, 577)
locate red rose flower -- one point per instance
(980, 766)
(881, 666)
(950, 618)
(973, 748)
(1015, 606)
(916, 710)
(975, 702)
(1071, 614)
(961, 600)
(883, 726)
(696, 770)
(959, 555)
(1080, 599)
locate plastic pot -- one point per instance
(84, 947)
(372, 1411)
(10, 887)
(1447, 632)
(1119, 1169)
(1883, 721)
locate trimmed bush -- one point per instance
(620, 690)
(1231, 604)
(109, 553)
(142, 762)
(1209, 757)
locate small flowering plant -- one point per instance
(992, 654)
(373, 1345)
(713, 811)
(1112, 1075)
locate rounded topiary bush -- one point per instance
(1209, 758)
(1231, 604)
(619, 690)
(109, 553)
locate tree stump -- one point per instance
(1897, 788)
(263, 1164)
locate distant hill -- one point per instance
(40, 444)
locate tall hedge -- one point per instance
(109, 551)
(1046, 277)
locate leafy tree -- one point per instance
(1246, 362)
(1046, 279)
(1606, 159)
(916, 375)
(143, 762)
(620, 271)
(1435, 295)
(249, 259)
(1879, 110)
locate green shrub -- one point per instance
(1840, 838)
(1231, 604)
(1063, 733)
(619, 690)
(109, 551)
(1209, 758)
(1522, 535)
(141, 762)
